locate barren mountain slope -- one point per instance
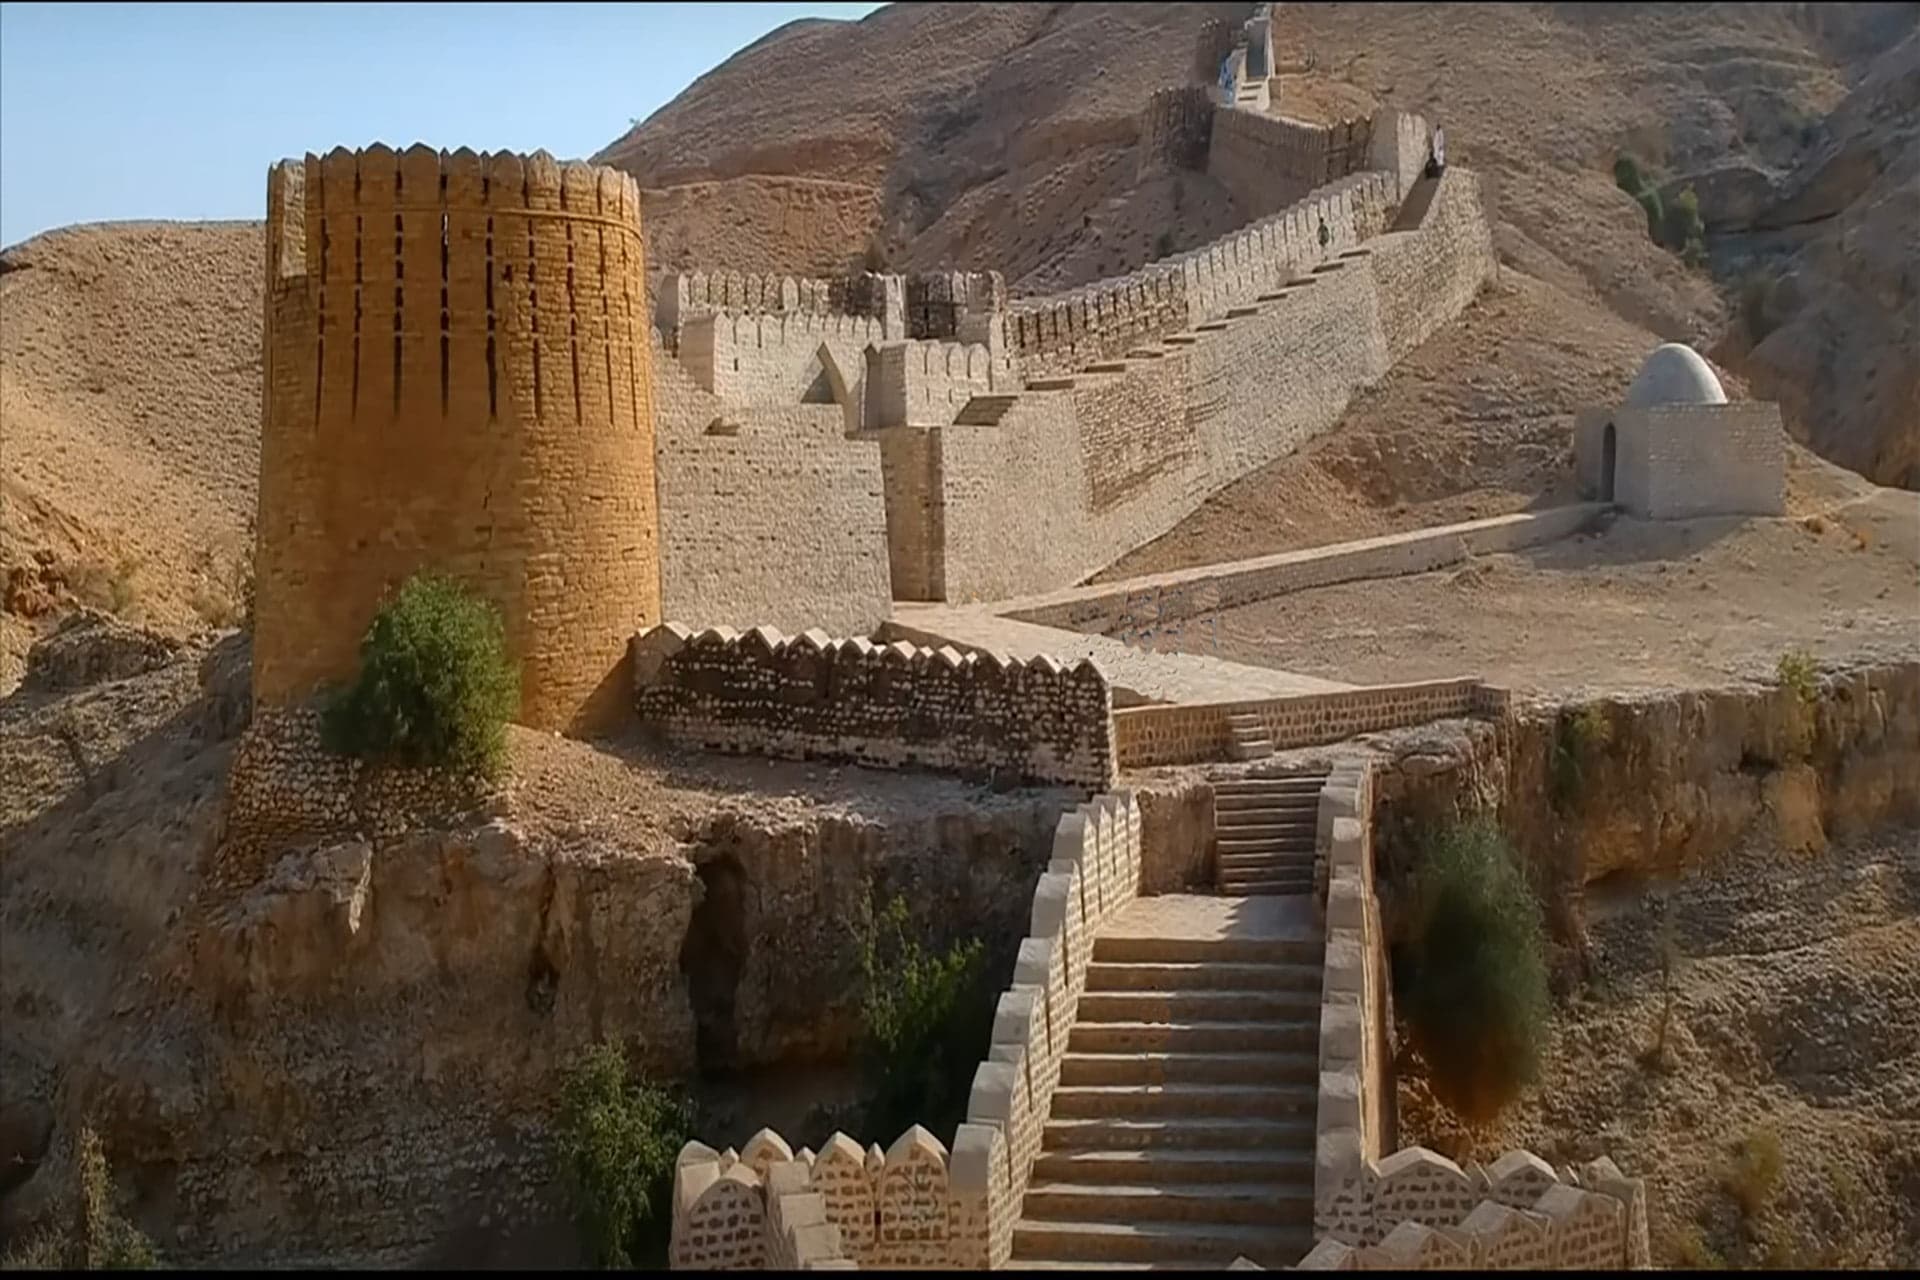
(129, 422)
(997, 136)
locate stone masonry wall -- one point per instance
(1191, 733)
(457, 378)
(768, 514)
(884, 706)
(1076, 472)
(1418, 1211)
(1268, 162)
(1175, 127)
(777, 359)
(925, 384)
(915, 1206)
(1707, 460)
(1430, 274)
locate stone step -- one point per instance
(1296, 879)
(1194, 1243)
(1191, 1006)
(1148, 949)
(1195, 1035)
(1261, 845)
(1276, 798)
(1267, 888)
(1241, 749)
(1265, 1134)
(1225, 974)
(1274, 858)
(1262, 810)
(1241, 1202)
(1189, 1067)
(1280, 782)
(1201, 1098)
(1138, 1165)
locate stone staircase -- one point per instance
(1182, 1130)
(984, 411)
(1263, 833)
(1251, 741)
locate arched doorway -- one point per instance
(1609, 450)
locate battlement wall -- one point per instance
(1419, 1211)
(773, 359)
(884, 706)
(1175, 128)
(458, 379)
(917, 1206)
(1267, 162)
(768, 514)
(1064, 333)
(924, 384)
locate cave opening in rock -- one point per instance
(712, 958)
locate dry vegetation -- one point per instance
(1780, 1120)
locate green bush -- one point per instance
(1753, 1174)
(1627, 176)
(1799, 672)
(1476, 994)
(926, 1020)
(617, 1140)
(96, 1238)
(1682, 227)
(1579, 739)
(1650, 202)
(435, 687)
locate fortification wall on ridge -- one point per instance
(1267, 162)
(768, 514)
(458, 379)
(885, 706)
(924, 384)
(1058, 335)
(1175, 127)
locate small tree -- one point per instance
(435, 687)
(96, 1238)
(1626, 176)
(925, 1020)
(1476, 1001)
(618, 1138)
(1649, 199)
(1684, 231)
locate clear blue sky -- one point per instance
(119, 111)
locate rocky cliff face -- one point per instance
(314, 1025)
(1656, 784)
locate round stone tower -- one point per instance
(458, 380)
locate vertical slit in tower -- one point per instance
(359, 276)
(533, 306)
(446, 313)
(606, 317)
(573, 313)
(320, 345)
(399, 296)
(493, 370)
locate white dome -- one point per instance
(1674, 374)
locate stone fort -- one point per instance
(873, 498)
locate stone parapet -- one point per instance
(885, 706)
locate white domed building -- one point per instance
(1675, 448)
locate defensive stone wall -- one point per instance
(912, 1207)
(1418, 1211)
(1267, 162)
(1163, 598)
(768, 514)
(1193, 732)
(926, 384)
(1175, 127)
(1074, 472)
(1355, 1113)
(915, 1206)
(885, 706)
(457, 379)
(1103, 321)
(802, 358)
